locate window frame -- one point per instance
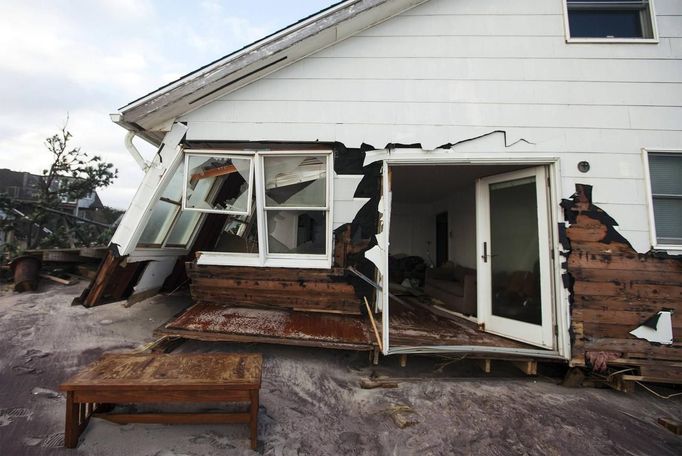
(282, 260)
(653, 238)
(654, 30)
(171, 249)
(225, 154)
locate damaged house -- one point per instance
(501, 179)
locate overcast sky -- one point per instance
(87, 58)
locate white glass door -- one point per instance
(514, 280)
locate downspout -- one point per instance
(128, 141)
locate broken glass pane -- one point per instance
(297, 232)
(295, 181)
(218, 183)
(183, 229)
(159, 223)
(173, 190)
(239, 235)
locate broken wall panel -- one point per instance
(615, 289)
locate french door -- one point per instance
(514, 272)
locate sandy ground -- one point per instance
(311, 402)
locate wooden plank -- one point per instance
(620, 262)
(104, 276)
(59, 279)
(274, 284)
(175, 418)
(618, 317)
(673, 426)
(485, 365)
(195, 371)
(293, 274)
(642, 378)
(633, 346)
(114, 394)
(528, 367)
(230, 337)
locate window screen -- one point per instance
(665, 172)
(609, 19)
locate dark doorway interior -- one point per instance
(441, 238)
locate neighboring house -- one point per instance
(25, 188)
(509, 171)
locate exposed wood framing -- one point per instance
(615, 289)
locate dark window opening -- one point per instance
(609, 19)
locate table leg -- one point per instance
(72, 429)
(253, 422)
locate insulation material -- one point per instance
(657, 329)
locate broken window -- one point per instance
(296, 203)
(665, 174)
(218, 183)
(610, 19)
(239, 233)
(164, 213)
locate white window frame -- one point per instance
(148, 250)
(225, 154)
(281, 260)
(654, 31)
(650, 200)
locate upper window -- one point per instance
(610, 19)
(218, 183)
(665, 177)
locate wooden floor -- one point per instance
(240, 324)
(415, 325)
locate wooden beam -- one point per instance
(528, 367)
(214, 172)
(59, 279)
(485, 365)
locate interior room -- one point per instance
(433, 257)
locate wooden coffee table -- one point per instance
(173, 378)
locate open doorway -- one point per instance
(465, 261)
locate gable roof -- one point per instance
(150, 114)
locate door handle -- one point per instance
(485, 252)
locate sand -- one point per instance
(311, 402)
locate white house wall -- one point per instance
(450, 70)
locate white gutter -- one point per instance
(128, 141)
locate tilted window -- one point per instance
(665, 176)
(218, 183)
(610, 19)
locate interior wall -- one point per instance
(412, 230)
(413, 227)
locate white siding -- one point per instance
(454, 69)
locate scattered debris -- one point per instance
(658, 328)
(600, 360)
(399, 414)
(367, 383)
(673, 426)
